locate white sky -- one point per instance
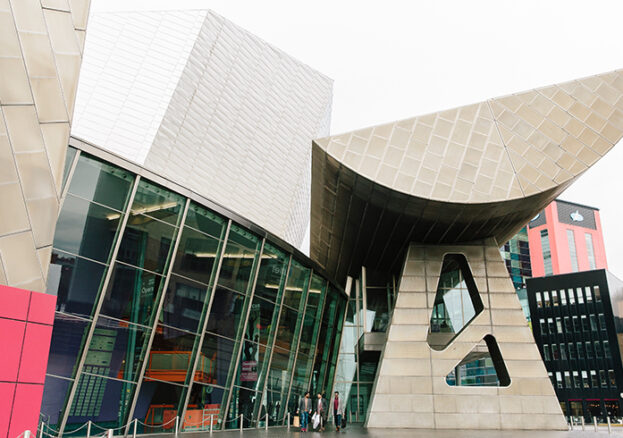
(397, 59)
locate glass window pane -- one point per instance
(251, 364)
(217, 357)
(86, 229)
(68, 335)
(279, 374)
(243, 402)
(274, 407)
(226, 313)
(206, 221)
(237, 267)
(75, 281)
(204, 406)
(377, 309)
(55, 392)
(171, 355)
(69, 159)
(146, 243)
(184, 304)
(273, 267)
(298, 280)
(132, 294)
(310, 325)
(262, 320)
(116, 349)
(196, 256)
(288, 323)
(367, 370)
(302, 372)
(157, 202)
(101, 182)
(104, 401)
(157, 406)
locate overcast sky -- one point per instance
(397, 59)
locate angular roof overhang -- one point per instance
(482, 170)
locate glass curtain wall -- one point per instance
(167, 309)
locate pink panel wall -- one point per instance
(26, 320)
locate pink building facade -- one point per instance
(566, 237)
(26, 320)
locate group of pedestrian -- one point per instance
(308, 409)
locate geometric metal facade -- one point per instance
(411, 389)
(168, 305)
(195, 98)
(41, 44)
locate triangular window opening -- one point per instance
(483, 366)
(457, 302)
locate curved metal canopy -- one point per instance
(482, 170)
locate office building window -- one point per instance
(568, 326)
(554, 298)
(589, 294)
(571, 296)
(547, 253)
(539, 303)
(585, 324)
(603, 379)
(576, 324)
(580, 349)
(576, 380)
(597, 294)
(585, 383)
(571, 351)
(602, 322)
(546, 352)
(594, 327)
(551, 377)
(543, 326)
(558, 379)
(568, 379)
(555, 354)
(607, 353)
(580, 295)
(589, 349)
(598, 351)
(550, 324)
(572, 251)
(558, 325)
(563, 298)
(612, 379)
(590, 250)
(546, 298)
(563, 352)
(594, 379)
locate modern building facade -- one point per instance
(516, 254)
(566, 237)
(577, 326)
(170, 306)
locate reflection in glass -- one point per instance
(146, 243)
(206, 221)
(457, 301)
(183, 303)
(86, 229)
(67, 338)
(55, 393)
(101, 182)
(157, 202)
(288, 323)
(171, 355)
(279, 374)
(157, 406)
(226, 313)
(307, 333)
(262, 320)
(132, 294)
(216, 359)
(252, 361)
(196, 256)
(69, 159)
(116, 349)
(237, 267)
(300, 379)
(271, 275)
(75, 281)
(204, 406)
(298, 279)
(103, 401)
(272, 404)
(243, 402)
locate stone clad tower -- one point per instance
(429, 200)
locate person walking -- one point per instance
(321, 410)
(304, 410)
(337, 408)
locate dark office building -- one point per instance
(576, 321)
